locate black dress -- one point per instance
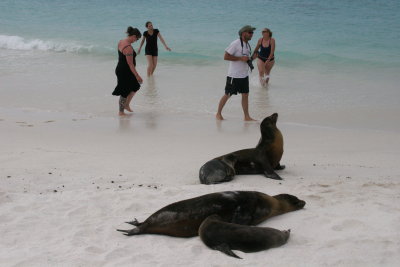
(151, 48)
(126, 81)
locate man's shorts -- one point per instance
(237, 85)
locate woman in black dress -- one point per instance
(128, 78)
(151, 49)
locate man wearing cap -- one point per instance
(237, 81)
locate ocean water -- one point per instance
(334, 59)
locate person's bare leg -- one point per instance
(268, 68)
(261, 71)
(149, 65)
(122, 103)
(154, 65)
(128, 101)
(221, 105)
(245, 106)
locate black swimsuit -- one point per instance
(264, 52)
(151, 48)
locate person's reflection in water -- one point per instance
(152, 100)
(125, 123)
(261, 103)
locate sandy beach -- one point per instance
(72, 171)
(69, 181)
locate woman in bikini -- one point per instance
(128, 79)
(265, 49)
(151, 49)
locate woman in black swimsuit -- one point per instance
(151, 49)
(128, 78)
(266, 58)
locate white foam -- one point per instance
(20, 43)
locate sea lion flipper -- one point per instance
(280, 167)
(224, 248)
(272, 175)
(135, 222)
(134, 231)
(217, 171)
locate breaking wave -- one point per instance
(20, 43)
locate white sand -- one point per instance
(68, 182)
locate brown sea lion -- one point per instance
(263, 159)
(225, 237)
(183, 218)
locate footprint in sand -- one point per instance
(24, 124)
(348, 225)
(94, 250)
(48, 121)
(76, 212)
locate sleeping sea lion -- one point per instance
(263, 159)
(183, 218)
(225, 237)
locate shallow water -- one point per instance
(337, 63)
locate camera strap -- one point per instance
(248, 45)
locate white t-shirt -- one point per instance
(238, 69)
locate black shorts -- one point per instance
(237, 85)
(151, 52)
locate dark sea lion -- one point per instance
(183, 218)
(263, 159)
(225, 237)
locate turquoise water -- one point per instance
(357, 32)
(337, 62)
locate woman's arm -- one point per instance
(163, 42)
(272, 49)
(141, 44)
(256, 49)
(128, 52)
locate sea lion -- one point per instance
(263, 159)
(183, 218)
(225, 237)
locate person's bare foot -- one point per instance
(219, 117)
(249, 119)
(266, 79)
(262, 82)
(121, 113)
(128, 108)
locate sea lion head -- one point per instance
(268, 125)
(290, 202)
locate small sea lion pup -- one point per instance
(225, 237)
(263, 159)
(183, 218)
